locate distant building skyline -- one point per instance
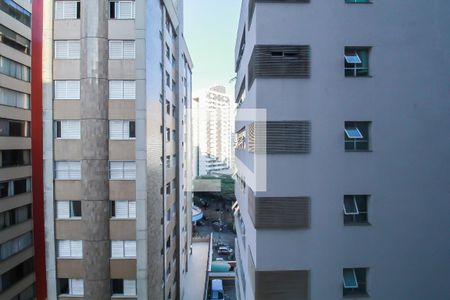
(213, 126)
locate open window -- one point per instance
(356, 61)
(354, 282)
(356, 209)
(357, 136)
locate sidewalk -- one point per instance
(196, 277)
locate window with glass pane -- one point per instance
(356, 209)
(16, 11)
(67, 9)
(356, 61)
(121, 9)
(14, 69)
(14, 40)
(357, 136)
(354, 282)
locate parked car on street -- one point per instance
(225, 251)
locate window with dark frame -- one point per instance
(354, 282)
(356, 61)
(357, 136)
(356, 209)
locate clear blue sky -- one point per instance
(210, 28)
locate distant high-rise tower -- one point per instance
(213, 122)
(352, 140)
(116, 100)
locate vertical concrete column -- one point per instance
(94, 145)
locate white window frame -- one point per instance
(78, 284)
(73, 170)
(64, 210)
(127, 167)
(63, 89)
(124, 126)
(70, 129)
(130, 209)
(117, 10)
(129, 287)
(125, 49)
(66, 14)
(122, 89)
(75, 248)
(126, 249)
(70, 49)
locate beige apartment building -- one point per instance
(16, 224)
(117, 90)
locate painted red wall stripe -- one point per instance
(37, 149)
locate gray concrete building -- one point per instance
(17, 276)
(117, 90)
(354, 150)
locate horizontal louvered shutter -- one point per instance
(60, 90)
(278, 137)
(116, 130)
(116, 169)
(117, 249)
(129, 287)
(70, 129)
(281, 212)
(129, 170)
(76, 248)
(70, 10)
(63, 209)
(59, 9)
(129, 90)
(292, 284)
(76, 287)
(130, 248)
(74, 170)
(115, 49)
(61, 49)
(121, 209)
(269, 61)
(132, 209)
(73, 89)
(126, 10)
(61, 170)
(129, 51)
(115, 89)
(64, 248)
(73, 49)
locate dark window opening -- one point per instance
(132, 128)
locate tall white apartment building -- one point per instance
(352, 142)
(214, 123)
(116, 96)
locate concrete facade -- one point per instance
(405, 98)
(16, 223)
(121, 69)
